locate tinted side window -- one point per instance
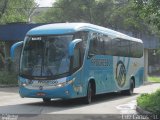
(136, 49)
(126, 48)
(115, 47)
(104, 45)
(76, 61)
(118, 47)
(107, 45)
(82, 35)
(132, 49)
(93, 45)
(140, 50)
(96, 44)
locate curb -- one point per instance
(141, 111)
(147, 113)
(7, 86)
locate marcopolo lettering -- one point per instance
(100, 62)
(48, 81)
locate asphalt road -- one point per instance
(110, 104)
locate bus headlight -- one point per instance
(71, 81)
(61, 84)
(23, 84)
(65, 83)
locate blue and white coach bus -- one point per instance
(73, 60)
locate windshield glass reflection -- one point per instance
(45, 56)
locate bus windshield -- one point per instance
(45, 56)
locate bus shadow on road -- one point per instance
(80, 101)
(55, 106)
(108, 97)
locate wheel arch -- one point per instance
(93, 85)
(133, 78)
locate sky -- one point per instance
(45, 3)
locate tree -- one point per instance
(149, 10)
(3, 7)
(125, 17)
(115, 14)
(15, 10)
(92, 11)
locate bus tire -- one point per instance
(130, 90)
(46, 100)
(88, 97)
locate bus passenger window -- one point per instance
(115, 47)
(107, 45)
(76, 59)
(93, 49)
(96, 44)
(82, 35)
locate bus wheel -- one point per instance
(88, 98)
(46, 100)
(130, 90)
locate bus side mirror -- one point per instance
(72, 46)
(14, 48)
(74, 53)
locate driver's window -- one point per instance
(93, 48)
(76, 59)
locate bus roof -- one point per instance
(68, 28)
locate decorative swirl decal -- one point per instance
(120, 74)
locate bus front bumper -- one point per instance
(64, 92)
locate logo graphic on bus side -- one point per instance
(120, 74)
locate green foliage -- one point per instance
(8, 78)
(125, 17)
(149, 11)
(71, 11)
(154, 79)
(7, 74)
(15, 10)
(93, 11)
(158, 52)
(117, 14)
(150, 102)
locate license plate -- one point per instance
(41, 94)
